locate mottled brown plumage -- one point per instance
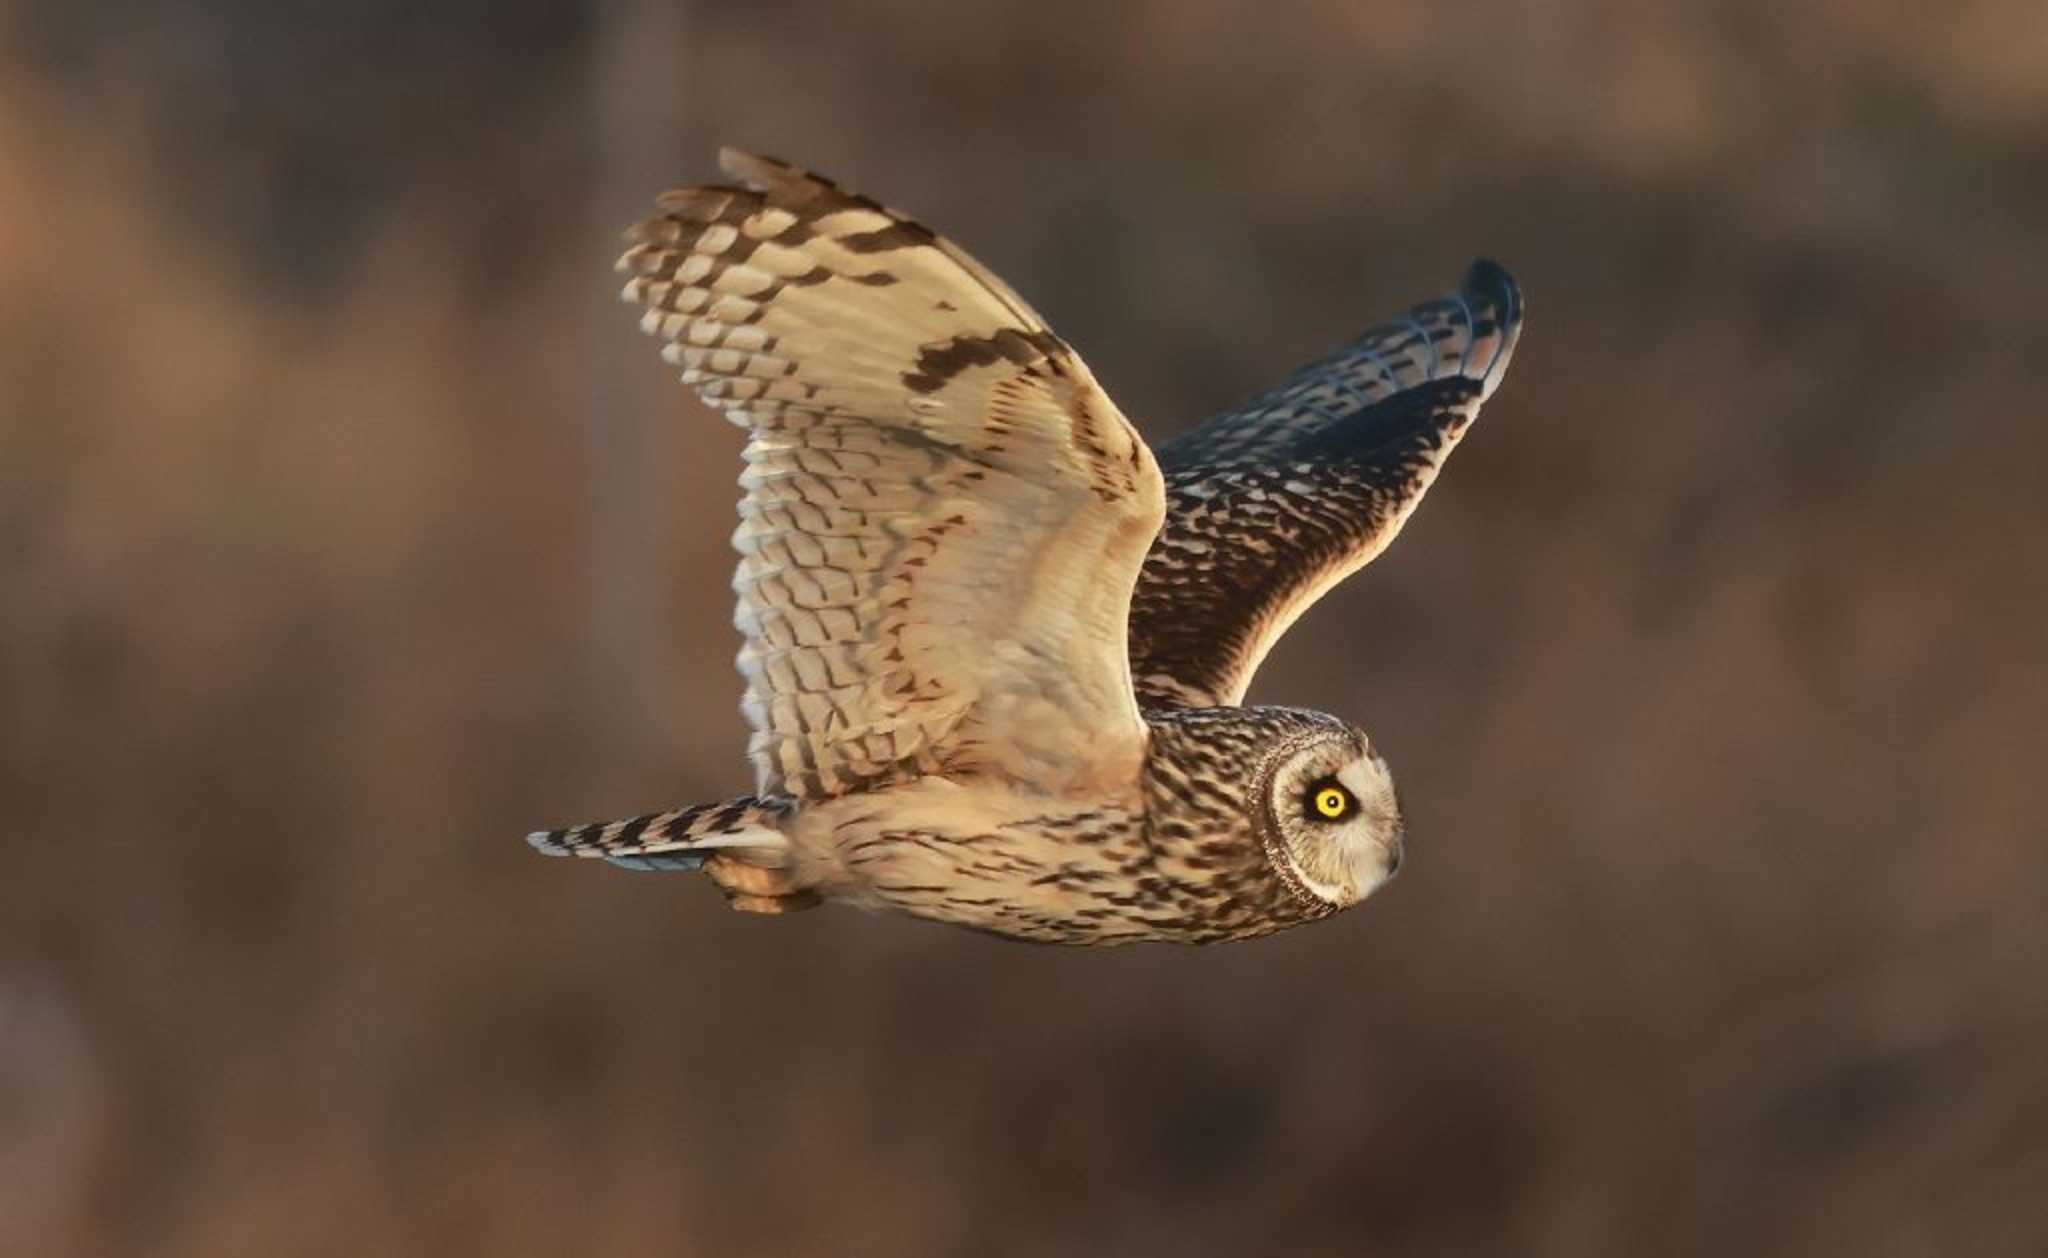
(956, 553)
(1272, 504)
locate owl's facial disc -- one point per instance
(1333, 822)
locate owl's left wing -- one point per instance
(943, 513)
(1272, 504)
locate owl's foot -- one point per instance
(752, 888)
(796, 902)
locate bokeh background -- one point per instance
(348, 531)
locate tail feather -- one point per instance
(680, 839)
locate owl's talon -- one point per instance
(795, 902)
(740, 878)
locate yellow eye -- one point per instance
(1332, 802)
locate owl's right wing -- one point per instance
(1274, 503)
(943, 514)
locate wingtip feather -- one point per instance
(1490, 282)
(1491, 293)
(757, 170)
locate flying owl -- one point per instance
(994, 645)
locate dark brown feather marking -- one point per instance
(941, 361)
(901, 234)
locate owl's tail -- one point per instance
(682, 839)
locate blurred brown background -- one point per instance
(348, 531)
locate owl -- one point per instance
(994, 645)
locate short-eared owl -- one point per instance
(993, 646)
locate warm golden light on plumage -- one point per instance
(993, 647)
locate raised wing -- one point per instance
(943, 514)
(1272, 504)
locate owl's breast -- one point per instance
(988, 856)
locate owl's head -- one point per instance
(1332, 825)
